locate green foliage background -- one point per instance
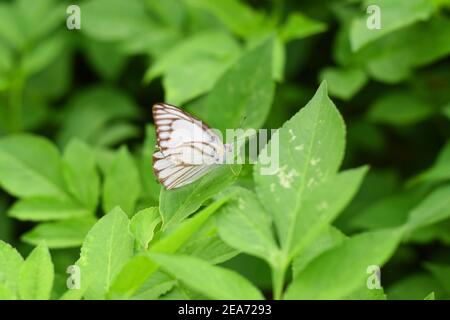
(364, 118)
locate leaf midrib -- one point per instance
(298, 202)
(108, 269)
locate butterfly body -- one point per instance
(187, 148)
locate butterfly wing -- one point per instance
(174, 175)
(188, 149)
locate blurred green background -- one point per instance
(98, 84)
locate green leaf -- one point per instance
(446, 111)
(10, 29)
(143, 225)
(394, 14)
(61, 234)
(391, 59)
(344, 83)
(41, 56)
(140, 267)
(40, 17)
(4, 81)
(6, 60)
(6, 293)
(439, 171)
(245, 225)
(171, 12)
(110, 20)
(6, 223)
(106, 58)
(192, 67)
(345, 266)
(46, 208)
(31, 166)
(195, 78)
(211, 281)
(150, 186)
(437, 232)
(6, 54)
(131, 277)
(434, 208)
(152, 38)
(105, 157)
(415, 46)
(387, 212)
(72, 294)
(328, 238)
(188, 50)
(158, 284)
(122, 176)
(244, 91)
(414, 287)
(399, 108)
(36, 275)
(364, 293)
(177, 204)
(311, 147)
(183, 231)
(298, 26)
(106, 249)
(278, 59)
(430, 296)
(322, 206)
(10, 267)
(441, 272)
(54, 80)
(210, 248)
(91, 112)
(35, 110)
(180, 292)
(117, 133)
(235, 15)
(80, 173)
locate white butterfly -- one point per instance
(188, 148)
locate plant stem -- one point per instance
(278, 280)
(277, 13)
(15, 103)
